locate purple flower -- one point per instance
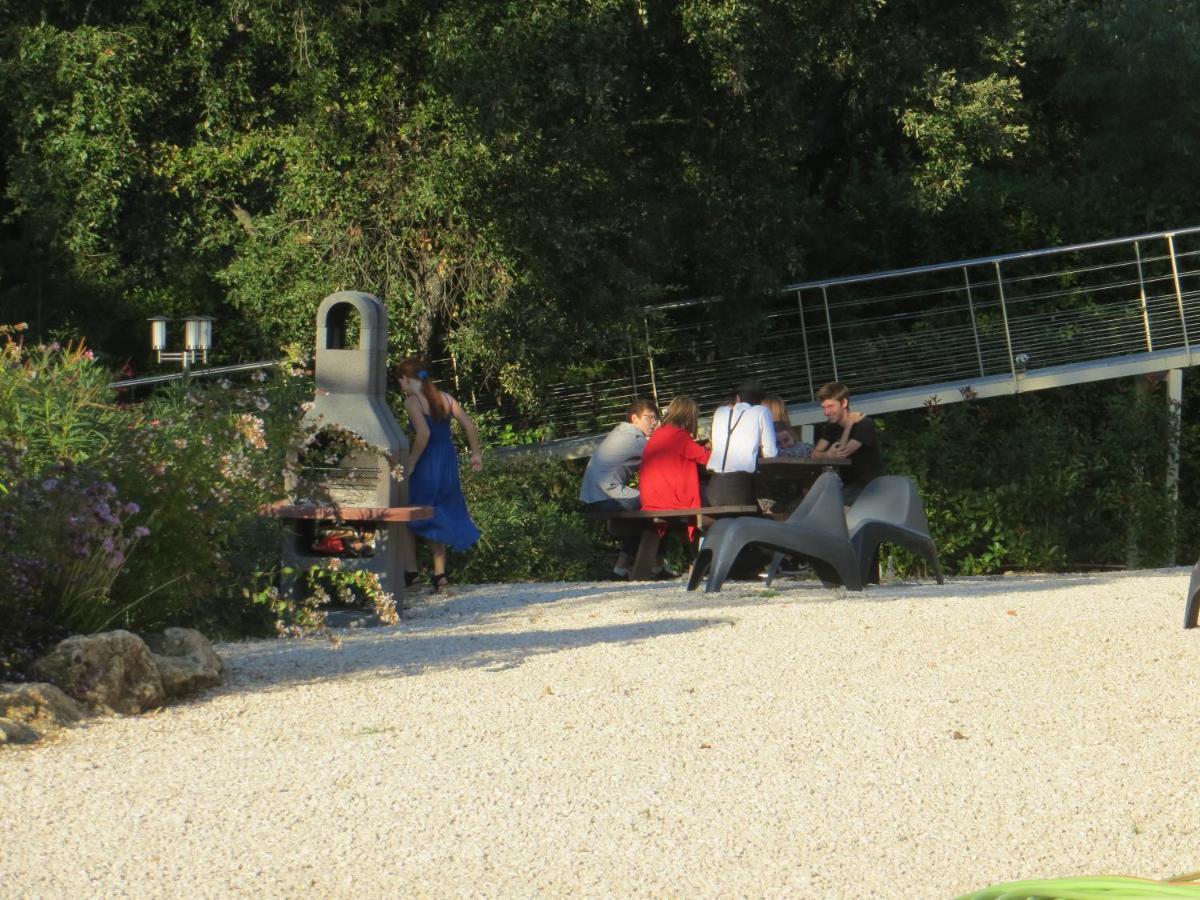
(104, 513)
(131, 508)
(108, 546)
(141, 531)
(49, 484)
(116, 560)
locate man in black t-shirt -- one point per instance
(844, 435)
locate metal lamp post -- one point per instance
(197, 340)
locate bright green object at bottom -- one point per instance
(1087, 888)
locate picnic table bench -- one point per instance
(645, 522)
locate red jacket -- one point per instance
(670, 477)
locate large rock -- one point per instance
(186, 661)
(113, 671)
(28, 711)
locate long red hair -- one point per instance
(411, 367)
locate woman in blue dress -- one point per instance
(433, 468)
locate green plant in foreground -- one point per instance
(1112, 887)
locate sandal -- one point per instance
(440, 582)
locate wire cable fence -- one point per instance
(951, 322)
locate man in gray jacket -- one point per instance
(606, 486)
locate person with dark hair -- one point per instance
(847, 435)
(740, 433)
(433, 469)
(606, 481)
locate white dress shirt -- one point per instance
(753, 434)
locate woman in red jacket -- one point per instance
(671, 461)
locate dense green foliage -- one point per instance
(1049, 481)
(530, 520)
(501, 172)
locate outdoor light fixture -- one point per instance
(197, 340)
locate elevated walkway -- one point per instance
(985, 327)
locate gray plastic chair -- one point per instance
(1193, 599)
(889, 510)
(815, 531)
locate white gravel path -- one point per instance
(616, 740)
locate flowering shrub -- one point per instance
(306, 616)
(184, 474)
(67, 538)
(72, 538)
(203, 460)
(55, 403)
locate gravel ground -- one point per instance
(609, 739)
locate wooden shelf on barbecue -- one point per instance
(285, 510)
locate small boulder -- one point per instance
(39, 708)
(186, 661)
(15, 733)
(113, 671)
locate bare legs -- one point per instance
(439, 558)
(437, 550)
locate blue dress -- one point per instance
(434, 482)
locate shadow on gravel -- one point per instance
(515, 597)
(788, 591)
(442, 633)
(387, 653)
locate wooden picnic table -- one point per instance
(786, 479)
(794, 470)
(645, 522)
(799, 464)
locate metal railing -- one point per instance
(1006, 315)
(1083, 307)
(232, 369)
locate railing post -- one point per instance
(829, 326)
(1012, 363)
(1187, 344)
(1137, 250)
(974, 326)
(632, 366)
(650, 363)
(812, 394)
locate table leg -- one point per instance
(647, 554)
